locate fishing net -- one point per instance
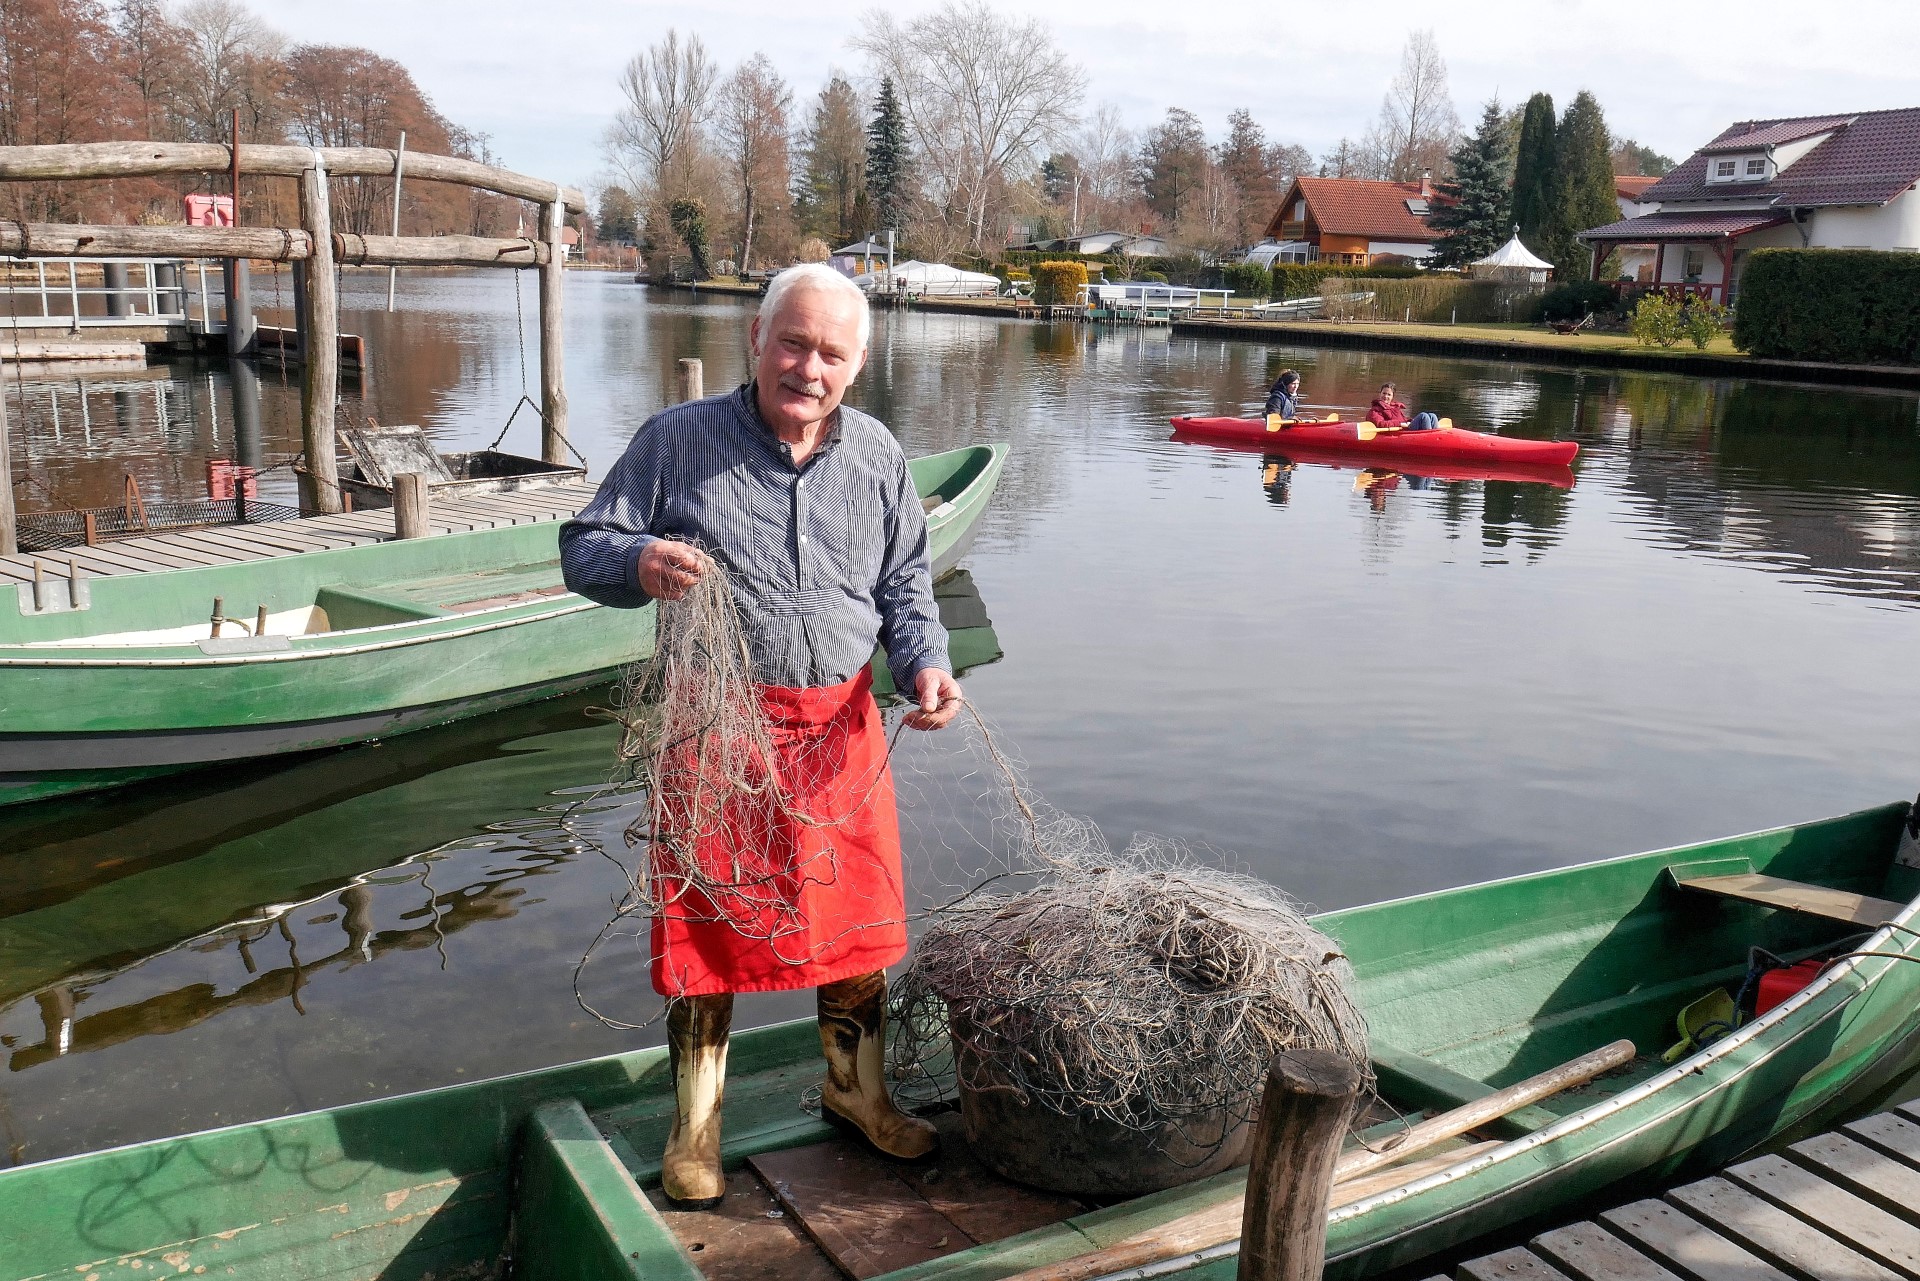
(1141, 988)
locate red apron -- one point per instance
(809, 890)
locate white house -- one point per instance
(1839, 182)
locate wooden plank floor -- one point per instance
(218, 545)
(1841, 1206)
(834, 1210)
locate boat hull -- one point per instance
(1492, 979)
(80, 715)
(1443, 443)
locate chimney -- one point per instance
(1426, 184)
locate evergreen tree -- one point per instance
(1533, 167)
(1581, 194)
(1476, 222)
(830, 191)
(887, 158)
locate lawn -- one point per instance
(1516, 335)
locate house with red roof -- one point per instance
(1839, 182)
(1353, 221)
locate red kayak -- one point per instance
(1443, 443)
(1559, 475)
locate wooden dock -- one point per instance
(1843, 1206)
(229, 544)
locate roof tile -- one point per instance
(1870, 159)
(1362, 207)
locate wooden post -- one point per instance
(1303, 1118)
(409, 505)
(320, 334)
(692, 380)
(9, 542)
(553, 387)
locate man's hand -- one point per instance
(940, 699)
(668, 569)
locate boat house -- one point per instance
(1834, 182)
(1353, 221)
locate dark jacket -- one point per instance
(1278, 402)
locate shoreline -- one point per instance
(1541, 350)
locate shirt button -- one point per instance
(803, 538)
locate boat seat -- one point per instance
(1790, 896)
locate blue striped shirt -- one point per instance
(825, 559)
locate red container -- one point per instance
(223, 475)
(1777, 985)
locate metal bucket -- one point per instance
(1034, 1145)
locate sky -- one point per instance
(542, 79)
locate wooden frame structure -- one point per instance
(314, 243)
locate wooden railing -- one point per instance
(313, 243)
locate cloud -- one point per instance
(542, 79)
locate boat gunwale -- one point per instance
(571, 603)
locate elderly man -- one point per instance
(809, 507)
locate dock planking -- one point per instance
(224, 545)
(1841, 1206)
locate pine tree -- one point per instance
(1476, 222)
(1533, 167)
(887, 158)
(1581, 194)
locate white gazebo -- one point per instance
(1511, 261)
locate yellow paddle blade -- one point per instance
(1275, 422)
(1447, 423)
(1365, 431)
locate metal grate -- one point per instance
(50, 531)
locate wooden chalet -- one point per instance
(1353, 221)
(1839, 182)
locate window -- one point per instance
(1756, 168)
(1693, 264)
(1723, 169)
(1417, 207)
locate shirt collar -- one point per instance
(750, 403)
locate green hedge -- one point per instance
(1302, 279)
(1849, 305)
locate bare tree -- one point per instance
(230, 59)
(1418, 124)
(669, 90)
(754, 103)
(982, 92)
(1110, 179)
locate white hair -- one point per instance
(813, 275)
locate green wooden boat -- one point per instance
(360, 643)
(540, 1175)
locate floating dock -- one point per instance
(1843, 1206)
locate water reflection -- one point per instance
(1353, 693)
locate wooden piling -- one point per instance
(9, 541)
(409, 505)
(553, 280)
(692, 380)
(320, 332)
(1304, 1111)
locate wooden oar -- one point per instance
(1220, 1223)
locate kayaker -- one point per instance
(809, 506)
(1284, 398)
(1388, 414)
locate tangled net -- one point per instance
(715, 842)
(1140, 989)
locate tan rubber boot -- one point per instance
(697, 1028)
(853, 1034)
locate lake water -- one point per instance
(1353, 689)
